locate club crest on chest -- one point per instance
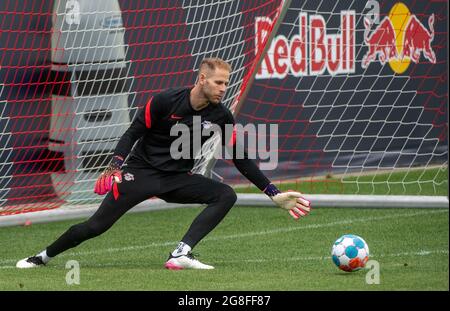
(128, 177)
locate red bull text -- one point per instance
(310, 52)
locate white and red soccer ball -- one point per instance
(350, 253)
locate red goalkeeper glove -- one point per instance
(291, 201)
(110, 175)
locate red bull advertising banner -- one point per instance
(314, 47)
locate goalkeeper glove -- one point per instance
(291, 201)
(111, 174)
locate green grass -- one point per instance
(252, 249)
(419, 181)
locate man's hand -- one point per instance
(293, 202)
(111, 174)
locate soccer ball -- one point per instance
(350, 253)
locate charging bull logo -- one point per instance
(418, 39)
(381, 43)
(399, 39)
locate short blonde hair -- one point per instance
(213, 63)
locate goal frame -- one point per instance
(255, 200)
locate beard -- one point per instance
(214, 99)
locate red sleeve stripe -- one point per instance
(148, 116)
(115, 191)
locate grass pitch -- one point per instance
(252, 249)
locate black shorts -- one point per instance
(139, 184)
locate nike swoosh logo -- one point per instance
(174, 116)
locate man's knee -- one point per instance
(227, 195)
(96, 229)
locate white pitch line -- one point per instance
(417, 253)
(323, 225)
(245, 235)
(282, 259)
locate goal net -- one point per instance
(358, 89)
(74, 73)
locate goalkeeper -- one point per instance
(150, 170)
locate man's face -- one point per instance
(214, 84)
